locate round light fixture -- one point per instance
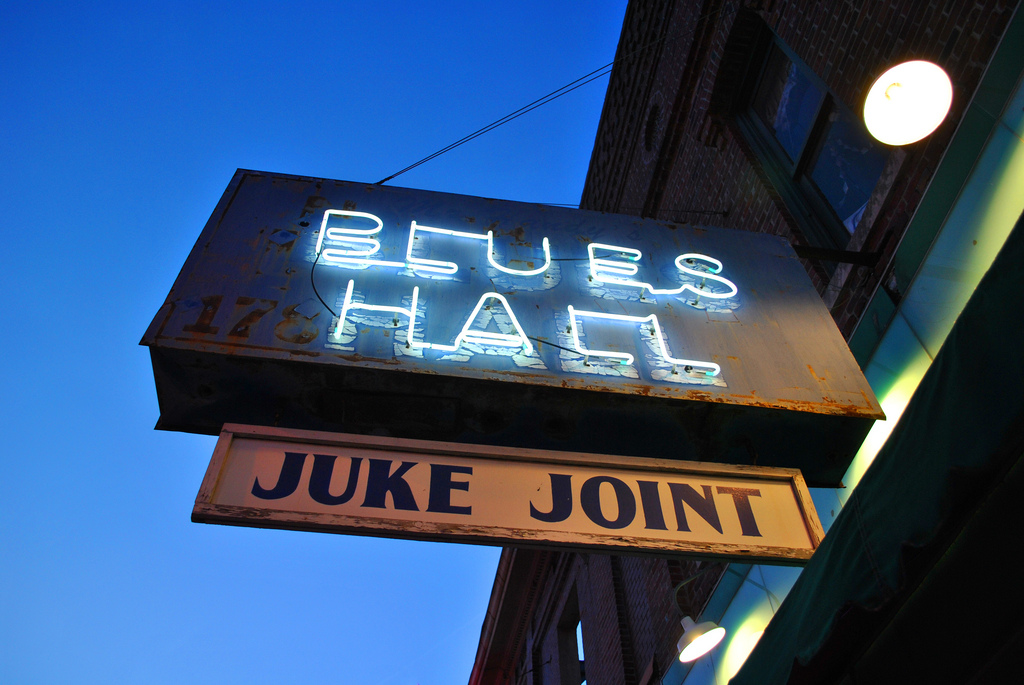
(907, 102)
(698, 639)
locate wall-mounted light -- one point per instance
(907, 102)
(698, 639)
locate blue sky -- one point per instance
(120, 126)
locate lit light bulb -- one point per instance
(698, 639)
(907, 102)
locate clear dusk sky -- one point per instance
(120, 126)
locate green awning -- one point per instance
(917, 575)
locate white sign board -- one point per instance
(306, 480)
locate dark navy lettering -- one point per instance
(441, 486)
(380, 481)
(561, 500)
(704, 506)
(287, 481)
(654, 519)
(590, 500)
(320, 479)
(740, 498)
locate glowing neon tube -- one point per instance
(433, 265)
(443, 267)
(713, 369)
(487, 337)
(516, 272)
(348, 256)
(465, 335)
(607, 271)
(348, 305)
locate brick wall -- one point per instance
(661, 151)
(630, 619)
(665, 148)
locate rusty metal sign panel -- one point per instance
(358, 308)
(280, 478)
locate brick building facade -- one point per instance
(671, 144)
(683, 138)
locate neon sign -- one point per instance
(711, 368)
(356, 245)
(430, 265)
(343, 254)
(346, 307)
(604, 270)
(482, 337)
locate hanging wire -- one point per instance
(760, 569)
(714, 668)
(619, 210)
(553, 95)
(312, 271)
(540, 342)
(747, 579)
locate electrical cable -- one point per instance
(553, 95)
(312, 271)
(540, 342)
(745, 578)
(317, 293)
(714, 668)
(764, 584)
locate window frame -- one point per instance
(792, 180)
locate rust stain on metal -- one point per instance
(313, 203)
(357, 358)
(298, 330)
(743, 397)
(834, 408)
(760, 357)
(815, 373)
(869, 401)
(304, 353)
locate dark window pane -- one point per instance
(847, 168)
(787, 102)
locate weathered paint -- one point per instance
(500, 496)
(243, 336)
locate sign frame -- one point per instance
(208, 510)
(245, 334)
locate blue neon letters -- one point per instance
(351, 240)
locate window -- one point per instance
(579, 652)
(814, 151)
(570, 643)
